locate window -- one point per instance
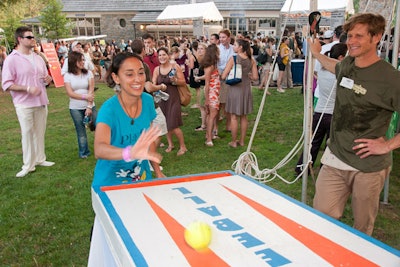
(122, 23)
(267, 23)
(96, 23)
(242, 25)
(252, 25)
(85, 26)
(81, 26)
(89, 26)
(232, 25)
(237, 25)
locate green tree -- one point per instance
(53, 21)
(12, 22)
(5, 3)
(12, 12)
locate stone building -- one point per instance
(124, 19)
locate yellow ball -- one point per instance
(198, 235)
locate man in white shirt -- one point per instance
(225, 52)
(62, 51)
(330, 38)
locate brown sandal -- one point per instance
(181, 152)
(232, 144)
(169, 149)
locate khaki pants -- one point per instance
(334, 186)
(33, 128)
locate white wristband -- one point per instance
(27, 89)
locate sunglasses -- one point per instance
(28, 37)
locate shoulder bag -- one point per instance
(262, 58)
(184, 94)
(235, 75)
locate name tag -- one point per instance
(347, 83)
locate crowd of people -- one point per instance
(172, 62)
(145, 74)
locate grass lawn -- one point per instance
(46, 217)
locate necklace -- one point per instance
(132, 117)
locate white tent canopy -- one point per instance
(303, 6)
(83, 38)
(205, 11)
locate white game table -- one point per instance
(142, 224)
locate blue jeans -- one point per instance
(77, 117)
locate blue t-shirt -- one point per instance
(123, 134)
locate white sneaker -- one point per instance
(23, 173)
(46, 163)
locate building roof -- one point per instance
(146, 17)
(160, 5)
(34, 20)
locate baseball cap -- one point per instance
(328, 34)
(75, 44)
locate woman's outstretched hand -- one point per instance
(141, 149)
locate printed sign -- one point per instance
(54, 65)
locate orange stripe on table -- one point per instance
(156, 182)
(330, 251)
(176, 230)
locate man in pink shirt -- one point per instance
(25, 76)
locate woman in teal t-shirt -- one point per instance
(123, 145)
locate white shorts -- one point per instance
(161, 122)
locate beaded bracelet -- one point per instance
(126, 153)
(84, 97)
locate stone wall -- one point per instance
(111, 26)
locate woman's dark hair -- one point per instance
(337, 50)
(195, 45)
(211, 56)
(163, 48)
(245, 47)
(73, 58)
(117, 61)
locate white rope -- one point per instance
(247, 163)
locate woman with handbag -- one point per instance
(79, 84)
(239, 101)
(171, 75)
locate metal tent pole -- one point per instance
(308, 113)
